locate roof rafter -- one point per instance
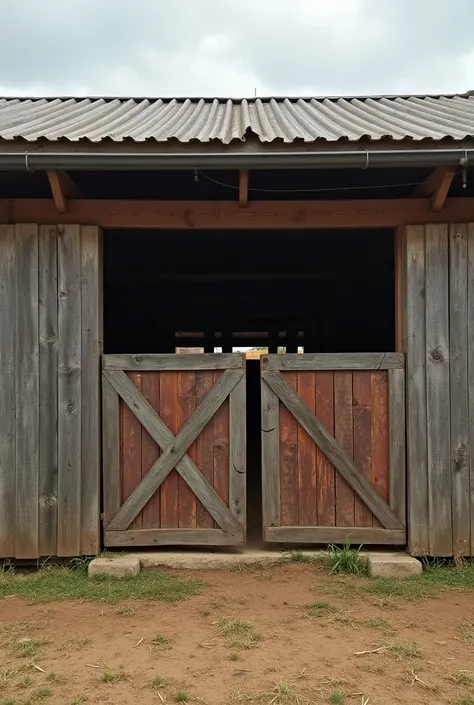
(243, 188)
(62, 188)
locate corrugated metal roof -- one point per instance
(269, 119)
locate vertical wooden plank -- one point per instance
(459, 387)
(238, 452)
(400, 289)
(186, 407)
(110, 451)
(221, 447)
(437, 390)
(397, 443)
(326, 482)
(470, 347)
(361, 389)
(150, 450)
(379, 434)
(289, 460)
(169, 414)
(27, 393)
(307, 515)
(343, 426)
(417, 469)
(131, 449)
(48, 389)
(69, 390)
(8, 318)
(91, 350)
(204, 447)
(271, 504)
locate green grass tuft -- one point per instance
(62, 583)
(317, 608)
(43, 693)
(27, 647)
(180, 696)
(346, 559)
(336, 697)
(110, 676)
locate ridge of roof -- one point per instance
(239, 99)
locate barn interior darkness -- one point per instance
(322, 291)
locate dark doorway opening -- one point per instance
(317, 291)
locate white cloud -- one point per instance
(231, 47)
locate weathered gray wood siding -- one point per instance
(440, 388)
(50, 345)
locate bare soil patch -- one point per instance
(289, 634)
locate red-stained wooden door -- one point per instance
(333, 448)
(174, 449)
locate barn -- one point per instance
(338, 233)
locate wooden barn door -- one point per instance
(174, 449)
(333, 448)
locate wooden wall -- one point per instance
(50, 344)
(439, 330)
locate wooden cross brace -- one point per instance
(173, 450)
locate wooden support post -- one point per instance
(243, 188)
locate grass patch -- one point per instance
(25, 682)
(466, 631)
(405, 650)
(234, 656)
(110, 676)
(435, 578)
(180, 696)
(28, 647)
(346, 559)
(295, 556)
(239, 633)
(336, 697)
(461, 678)
(318, 608)
(283, 693)
(377, 623)
(42, 693)
(63, 583)
(466, 699)
(55, 678)
(160, 682)
(161, 641)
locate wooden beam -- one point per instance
(227, 215)
(439, 197)
(59, 197)
(334, 534)
(243, 188)
(431, 184)
(62, 188)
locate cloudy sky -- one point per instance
(235, 47)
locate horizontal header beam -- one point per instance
(222, 215)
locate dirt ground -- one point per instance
(284, 635)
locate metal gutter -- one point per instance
(89, 161)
